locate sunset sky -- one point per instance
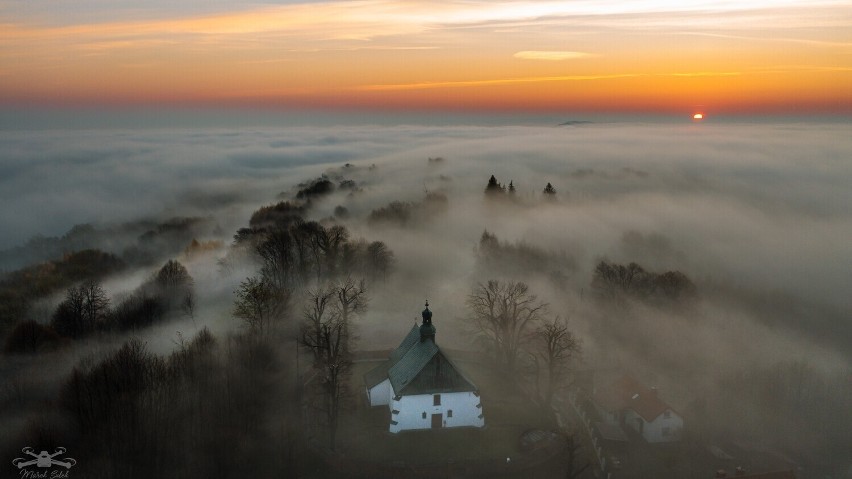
(743, 56)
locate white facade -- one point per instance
(462, 409)
(664, 428)
(456, 409)
(380, 394)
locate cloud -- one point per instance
(267, 160)
(552, 55)
(526, 80)
(492, 82)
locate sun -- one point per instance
(698, 116)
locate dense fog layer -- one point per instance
(757, 215)
(759, 204)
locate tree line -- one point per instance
(179, 415)
(404, 213)
(86, 309)
(294, 252)
(311, 283)
(495, 189)
(615, 282)
(503, 258)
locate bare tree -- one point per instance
(502, 313)
(260, 305)
(188, 306)
(176, 286)
(317, 244)
(300, 234)
(673, 286)
(612, 280)
(325, 334)
(68, 320)
(333, 385)
(276, 255)
(31, 337)
(306, 248)
(553, 346)
(173, 275)
(318, 314)
(337, 236)
(95, 301)
(84, 309)
(380, 259)
(351, 300)
(352, 257)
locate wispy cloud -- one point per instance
(356, 45)
(803, 41)
(543, 79)
(364, 19)
(503, 81)
(551, 55)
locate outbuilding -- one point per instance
(627, 402)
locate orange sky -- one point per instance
(631, 55)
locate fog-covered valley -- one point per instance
(749, 222)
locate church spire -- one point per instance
(427, 331)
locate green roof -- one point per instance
(419, 367)
(426, 370)
(380, 372)
(412, 338)
(377, 374)
(410, 365)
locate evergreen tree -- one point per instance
(494, 187)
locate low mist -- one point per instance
(756, 215)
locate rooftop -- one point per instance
(628, 393)
(380, 372)
(418, 366)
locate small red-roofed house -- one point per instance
(627, 402)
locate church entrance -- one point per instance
(437, 420)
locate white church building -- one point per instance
(422, 387)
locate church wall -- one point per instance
(380, 394)
(411, 410)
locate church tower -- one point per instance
(427, 331)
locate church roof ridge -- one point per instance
(418, 365)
